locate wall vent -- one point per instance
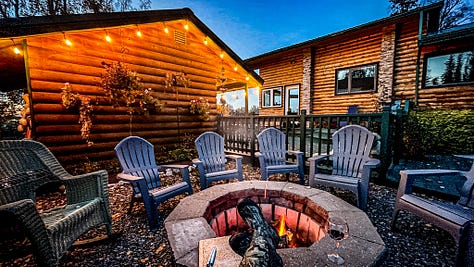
(180, 37)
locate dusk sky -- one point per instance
(251, 28)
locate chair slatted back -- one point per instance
(137, 157)
(25, 165)
(272, 144)
(210, 148)
(351, 148)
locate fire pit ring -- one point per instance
(190, 222)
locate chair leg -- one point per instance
(394, 218)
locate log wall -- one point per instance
(52, 63)
(281, 71)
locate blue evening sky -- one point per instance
(251, 28)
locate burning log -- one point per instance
(258, 245)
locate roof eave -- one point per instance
(434, 6)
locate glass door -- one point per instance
(292, 97)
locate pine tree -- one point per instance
(458, 69)
(448, 75)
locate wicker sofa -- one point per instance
(26, 165)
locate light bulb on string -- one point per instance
(205, 41)
(236, 68)
(165, 29)
(222, 55)
(186, 26)
(107, 37)
(16, 50)
(66, 40)
(138, 32)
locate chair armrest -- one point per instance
(367, 169)
(26, 213)
(313, 167)
(316, 159)
(85, 187)
(407, 177)
(184, 171)
(294, 152)
(128, 177)
(234, 157)
(258, 154)
(372, 163)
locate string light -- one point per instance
(247, 78)
(165, 29)
(15, 49)
(205, 40)
(139, 33)
(186, 26)
(66, 40)
(222, 55)
(107, 37)
(236, 68)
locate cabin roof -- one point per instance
(390, 19)
(452, 34)
(27, 26)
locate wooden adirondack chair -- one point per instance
(137, 158)
(272, 155)
(211, 161)
(351, 164)
(25, 166)
(457, 219)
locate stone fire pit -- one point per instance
(190, 222)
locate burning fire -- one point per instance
(283, 231)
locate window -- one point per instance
(271, 97)
(358, 79)
(449, 69)
(292, 99)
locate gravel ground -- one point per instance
(416, 243)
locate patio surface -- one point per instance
(416, 243)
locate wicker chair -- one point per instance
(27, 165)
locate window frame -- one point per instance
(443, 53)
(272, 96)
(349, 80)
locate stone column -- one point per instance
(306, 89)
(386, 66)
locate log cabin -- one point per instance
(399, 57)
(42, 54)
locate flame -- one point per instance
(282, 226)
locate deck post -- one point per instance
(303, 133)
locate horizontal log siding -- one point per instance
(353, 50)
(52, 63)
(452, 97)
(406, 50)
(282, 71)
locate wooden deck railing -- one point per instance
(310, 134)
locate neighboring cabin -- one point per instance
(170, 42)
(395, 58)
